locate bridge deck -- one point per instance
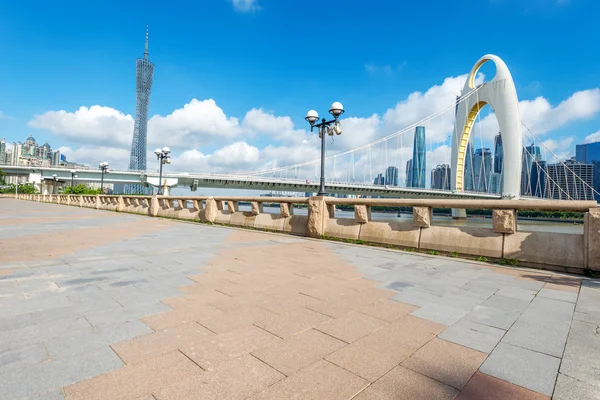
(100, 305)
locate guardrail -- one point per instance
(549, 250)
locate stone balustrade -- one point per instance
(550, 250)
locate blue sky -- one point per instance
(282, 58)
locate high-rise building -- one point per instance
(531, 156)
(498, 154)
(469, 173)
(409, 173)
(589, 153)
(440, 177)
(419, 162)
(2, 151)
(391, 176)
(144, 73)
(482, 168)
(379, 180)
(570, 181)
(538, 178)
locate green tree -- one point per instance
(24, 188)
(80, 189)
(2, 175)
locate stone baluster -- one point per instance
(422, 216)
(257, 208)
(362, 214)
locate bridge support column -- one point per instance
(591, 239)
(459, 213)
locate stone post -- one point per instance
(120, 204)
(154, 206)
(233, 206)
(362, 213)
(210, 212)
(286, 209)
(80, 200)
(331, 210)
(318, 216)
(257, 208)
(220, 205)
(504, 221)
(591, 237)
(422, 216)
(97, 202)
(68, 199)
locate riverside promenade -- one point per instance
(103, 305)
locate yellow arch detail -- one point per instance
(464, 140)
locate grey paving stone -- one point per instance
(492, 316)
(527, 284)
(558, 295)
(34, 305)
(473, 335)
(486, 287)
(23, 356)
(55, 394)
(580, 359)
(16, 322)
(568, 388)
(441, 314)
(397, 286)
(506, 303)
(83, 342)
(36, 380)
(417, 297)
(543, 327)
(517, 293)
(471, 273)
(532, 370)
(101, 318)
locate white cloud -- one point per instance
(245, 6)
(93, 155)
(236, 155)
(197, 124)
(95, 125)
(593, 137)
(562, 148)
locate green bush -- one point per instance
(80, 189)
(434, 252)
(24, 188)
(482, 259)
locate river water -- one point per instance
(522, 225)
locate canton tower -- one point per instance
(144, 71)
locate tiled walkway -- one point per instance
(100, 305)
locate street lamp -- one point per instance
(330, 127)
(73, 176)
(104, 168)
(164, 158)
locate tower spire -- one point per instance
(146, 48)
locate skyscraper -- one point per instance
(570, 181)
(482, 168)
(469, 174)
(590, 153)
(418, 170)
(2, 151)
(531, 155)
(440, 177)
(498, 154)
(409, 173)
(379, 180)
(391, 176)
(144, 72)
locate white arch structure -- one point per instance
(500, 94)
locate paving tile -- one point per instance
(417, 297)
(485, 387)
(388, 310)
(445, 362)
(368, 362)
(235, 379)
(473, 335)
(21, 357)
(298, 351)
(440, 313)
(517, 293)
(180, 316)
(543, 327)
(321, 380)
(351, 327)
(238, 318)
(406, 333)
(494, 317)
(532, 370)
(136, 379)
(402, 383)
(580, 359)
(568, 388)
(562, 295)
(294, 322)
(161, 342)
(564, 283)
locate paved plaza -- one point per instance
(101, 305)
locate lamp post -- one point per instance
(163, 157)
(54, 186)
(104, 168)
(73, 176)
(329, 127)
